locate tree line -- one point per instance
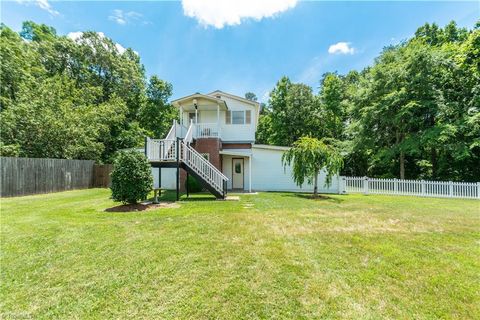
(413, 114)
(80, 98)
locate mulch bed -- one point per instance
(141, 207)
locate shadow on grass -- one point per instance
(171, 196)
(197, 199)
(141, 207)
(309, 196)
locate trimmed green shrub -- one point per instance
(132, 178)
(193, 185)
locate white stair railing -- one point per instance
(203, 167)
(189, 135)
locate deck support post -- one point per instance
(250, 174)
(178, 167)
(160, 180)
(186, 185)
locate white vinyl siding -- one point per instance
(268, 174)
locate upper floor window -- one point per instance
(238, 117)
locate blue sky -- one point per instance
(201, 47)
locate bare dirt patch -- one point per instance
(142, 207)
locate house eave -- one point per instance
(203, 102)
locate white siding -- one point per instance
(238, 132)
(268, 174)
(168, 178)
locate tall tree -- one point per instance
(157, 114)
(251, 96)
(333, 105)
(294, 112)
(78, 98)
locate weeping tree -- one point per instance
(309, 156)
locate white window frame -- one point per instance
(242, 117)
(229, 117)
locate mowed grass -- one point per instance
(271, 255)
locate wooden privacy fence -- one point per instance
(422, 188)
(24, 176)
(101, 175)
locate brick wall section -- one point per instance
(212, 146)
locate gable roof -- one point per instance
(232, 96)
(210, 98)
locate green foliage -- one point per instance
(251, 96)
(11, 150)
(413, 114)
(264, 128)
(294, 113)
(309, 156)
(193, 185)
(132, 178)
(156, 115)
(81, 99)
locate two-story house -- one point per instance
(214, 140)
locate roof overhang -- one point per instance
(236, 152)
(203, 102)
(270, 147)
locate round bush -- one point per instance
(132, 178)
(193, 185)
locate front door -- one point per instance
(237, 174)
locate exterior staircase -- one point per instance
(175, 151)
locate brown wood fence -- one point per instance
(24, 176)
(101, 175)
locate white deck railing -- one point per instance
(422, 188)
(207, 130)
(161, 149)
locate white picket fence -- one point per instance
(421, 188)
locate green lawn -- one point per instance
(272, 255)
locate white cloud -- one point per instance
(120, 48)
(121, 17)
(341, 48)
(219, 13)
(47, 7)
(77, 37)
(42, 4)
